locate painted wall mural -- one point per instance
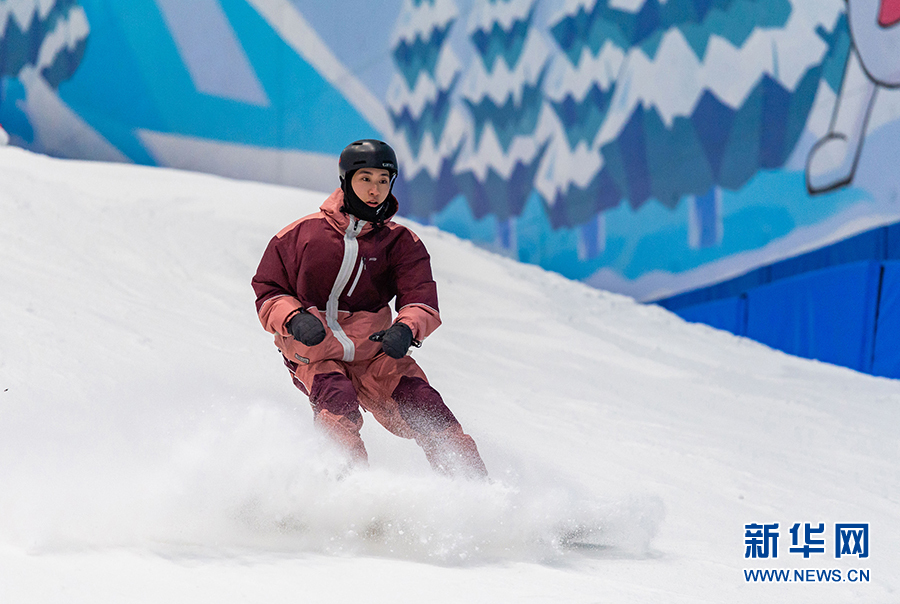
(41, 46)
(645, 146)
(873, 63)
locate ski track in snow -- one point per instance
(147, 426)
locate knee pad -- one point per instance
(422, 407)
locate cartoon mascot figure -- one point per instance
(873, 62)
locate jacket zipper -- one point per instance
(362, 266)
(351, 253)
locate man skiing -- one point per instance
(323, 288)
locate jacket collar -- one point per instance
(331, 207)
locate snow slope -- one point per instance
(152, 448)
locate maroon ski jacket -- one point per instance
(345, 271)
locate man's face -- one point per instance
(372, 185)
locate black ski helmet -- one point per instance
(367, 153)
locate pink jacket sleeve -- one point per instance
(276, 299)
(417, 300)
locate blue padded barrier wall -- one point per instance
(887, 332)
(839, 304)
(827, 314)
(882, 243)
(729, 314)
(871, 245)
(892, 244)
(726, 289)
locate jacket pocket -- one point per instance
(329, 348)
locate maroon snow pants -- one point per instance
(398, 395)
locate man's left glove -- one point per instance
(395, 341)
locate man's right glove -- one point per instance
(395, 341)
(306, 328)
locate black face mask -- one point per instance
(356, 206)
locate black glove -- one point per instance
(395, 341)
(306, 328)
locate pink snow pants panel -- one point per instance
(338, 387)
